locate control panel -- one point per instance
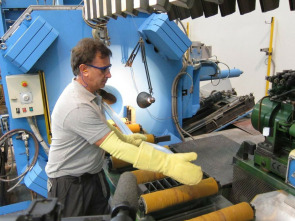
(25, 95)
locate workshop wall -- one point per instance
(237, 39)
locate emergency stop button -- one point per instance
(24, 83)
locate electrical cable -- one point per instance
(227, 68)
(135, 86)
(174, 90)
(143, 56)
(273, 63)
(140, 45)
(15, 185)
(157, 118)
(215, 79)
(36, 132)
(133, 79)
(218, 71)
(283, 94)
(184, 29)
(36, 145)
(174, 102)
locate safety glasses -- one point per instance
(104, 69)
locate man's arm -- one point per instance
(99, 142)
(145, 157)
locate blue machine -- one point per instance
(40, 40)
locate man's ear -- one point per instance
(83, 69)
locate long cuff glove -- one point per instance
(134, 139)
(146, 157)
(177, 166)
(120, 149)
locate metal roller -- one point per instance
(165, 198)
(135, 128)
(116, 163)
(150, 138)
(143, 176)
(239, 212)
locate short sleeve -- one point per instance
(87, 123)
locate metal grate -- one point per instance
(162, 184)
(246, 186)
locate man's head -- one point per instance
(90, 61)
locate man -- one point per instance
(80, 135)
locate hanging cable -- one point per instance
(143, 56)
(180, 130)
(36, 132)
(143, 99)
(36, 145)
(140, 45)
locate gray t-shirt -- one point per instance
(76, 126)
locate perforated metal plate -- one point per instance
(215, 156)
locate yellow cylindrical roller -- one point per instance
(240, 212)
(162, 199)
(135, 128)
(143, 176)
(116, 163)
(150, 138)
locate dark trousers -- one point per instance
(81, 196)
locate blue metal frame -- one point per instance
(123, 33)
(14, 207)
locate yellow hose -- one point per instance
(240, 212)
(165, 198)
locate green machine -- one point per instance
(269, 165)
(274, 117)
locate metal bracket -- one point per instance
(266, 50)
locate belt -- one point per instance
(83, 177)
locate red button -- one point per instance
(24, 84)
(24, 110)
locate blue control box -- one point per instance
(290, 176)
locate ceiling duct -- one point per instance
(209, 8)
(228, 7)
(246, 6)
(268, 5)
(176, 12)
(197, 9)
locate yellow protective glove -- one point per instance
(177, 166)
(145, 157)
(134, 139)
(119, 149)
